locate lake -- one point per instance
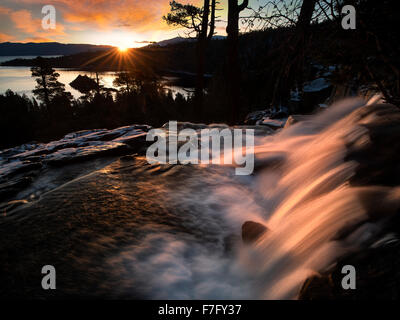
(19, 79)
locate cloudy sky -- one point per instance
(114, 22)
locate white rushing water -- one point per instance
(300, 191)
(308, 200)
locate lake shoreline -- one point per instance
(19, 80)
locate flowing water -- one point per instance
(134, 230)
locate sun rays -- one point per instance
(123, 58)
(120, 57)
(122, 49)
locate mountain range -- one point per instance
(46, 48)
(56, 48)
(176, 40)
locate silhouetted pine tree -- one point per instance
(47, 85)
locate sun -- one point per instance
(122, 48)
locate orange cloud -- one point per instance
(23, 21)
(137, 15)
(5, 37)
(4, 10)
(130, 16)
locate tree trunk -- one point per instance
(46, 92)
(97, 83)
(201, 50)
(232, 61)
(212, 19)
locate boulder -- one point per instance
(274, 124)
(251, 231)
(253, 117)
(295, 118)
(377, 276)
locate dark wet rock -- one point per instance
(29, 160)
(273, 120)
(128, 157)
(135, 141)
(31, 154)
(12, 187)
(258, 130)
(317, 287)
(315, 93)
(274, 124)
(377, 277)
(11, 169)
(253, 117)
(106, 136)
(186, 125)
(86, 144)
(295, 118)
(279, 115)
(378, 152)
(317, 85)
(251, 231)
(66, 156)
(5, 208)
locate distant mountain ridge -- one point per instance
(176, 40)
(46, 48)
(56, 48)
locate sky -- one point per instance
(126, 23)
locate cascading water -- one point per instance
(307, 199)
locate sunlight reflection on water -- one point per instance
(19, 80)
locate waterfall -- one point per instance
(307, 200)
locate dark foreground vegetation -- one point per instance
(261, 69)
(23, 120)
